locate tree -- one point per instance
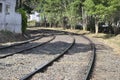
(101, 9)
(57, 9)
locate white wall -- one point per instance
(9, 19)
(34, 17)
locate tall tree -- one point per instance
(59, 8)
(101, 9)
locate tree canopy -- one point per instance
(75, 10)
(102, 10)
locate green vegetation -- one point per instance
(24, 19)
(102, 10)
(31, 23)
(88, 12)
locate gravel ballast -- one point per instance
(72, 66)
(107, 64)
(18, 65)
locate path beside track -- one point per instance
(107, 64)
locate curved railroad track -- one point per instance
(48, 63)
(3, 46)
(23, 46)
(18, 65)
(91, 60)
(64, 50)
(88, 70)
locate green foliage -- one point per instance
(75, 10)
(89, 6)
(24, 19)
(101, 8)
(55, 10)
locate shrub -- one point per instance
(24, 19)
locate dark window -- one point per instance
(0, 7)
(7, 9)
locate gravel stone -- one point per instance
(107, 65)
(23, 46)
(72, 66)
(19, 65)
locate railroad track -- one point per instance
(35, 36)
(17, 65)
(88, 70)
(60, 53)
(91, 60)
(23, 46)
(48, 63)
(4, 46)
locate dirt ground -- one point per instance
(107, 50)
(108, 39)
(6, 36)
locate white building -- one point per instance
(9, 19)
(35, 16)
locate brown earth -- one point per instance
(6, 36)
(108, 39)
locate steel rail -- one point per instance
(42, 67)
(7, 55)
(20, 43)
(91, 60)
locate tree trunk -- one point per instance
(96, 25)
(96, 28)
(84, 25)
(84, 19)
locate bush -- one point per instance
(24, 19)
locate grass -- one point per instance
(31, 23)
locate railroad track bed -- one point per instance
(22, 47)
(72, 66)
(16, 66)
(33, 35)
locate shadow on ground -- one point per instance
(55, 47)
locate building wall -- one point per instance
(34, 17)
(9, 19)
